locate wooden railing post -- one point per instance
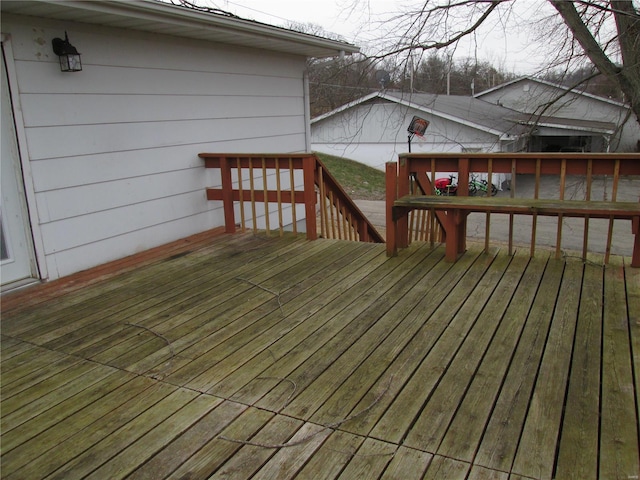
(460, 220)
(308, 169)
(402, 223)
(227, 196)
(391, 194)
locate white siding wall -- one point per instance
(113, 149)
(376, 133)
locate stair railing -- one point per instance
(268, 189)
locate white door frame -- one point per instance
(40, 269)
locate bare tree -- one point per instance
(606, 33)
(440, 75)
(337, 81)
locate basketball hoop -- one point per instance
(417, 127)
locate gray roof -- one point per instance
(477, 113)
(469, 110)
(163, 18)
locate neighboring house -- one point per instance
(507, 118)
(373, 129)
(567, 119)
(103, 163)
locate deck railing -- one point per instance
(265, 189)
(572, 176)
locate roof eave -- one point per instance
(188, 23)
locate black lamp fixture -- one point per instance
(67, 53)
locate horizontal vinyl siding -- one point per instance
(107, 108)
(46, 143)
(110, 80)
(113, 149)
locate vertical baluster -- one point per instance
(266, 192)
(512, 193)
(252, 187)
(293, 197)
(563, 177)
(241, 195)
(338, 209)
(323, 220)
(345, 227)
(487, 231)
(423, 225)
(534, 220)
(412, 217)
(279, 198)
(585, 236)
(614, 197)
(432, 216)
(325, 208)
(332, 211)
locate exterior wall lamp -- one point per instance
(67, 54)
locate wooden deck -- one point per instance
(249, 357)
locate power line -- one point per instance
(238, 5)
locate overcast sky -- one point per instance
(358, 22)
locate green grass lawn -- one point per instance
(360, 181)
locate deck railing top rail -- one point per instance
(528, 163)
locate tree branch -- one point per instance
(583, 36)
(493, 4)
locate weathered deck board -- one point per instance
(113, 402)
(181, 449)
(157, 306)
(476, 371)
(127, 460)
(441, 321)
(536, 449)
(314, 322)
(80, 431)
(248, 362)
(50, 397)
(252, 357)
(331, 457)
(109, 447)
(36, 376)
(633, 305)
(215, 453)
(578, 452)
(410, 402)
(501, 390)
(618, 436)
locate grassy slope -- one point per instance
(359, 180)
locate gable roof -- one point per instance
(467, 111)
(164, 18)
(551, 85)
